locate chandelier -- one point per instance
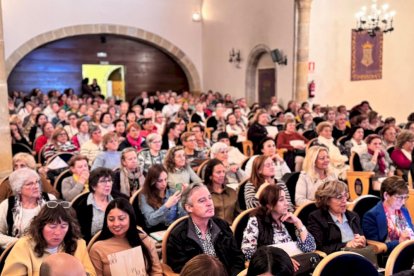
(375, 19)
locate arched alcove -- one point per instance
(251, 71)
(164, 45)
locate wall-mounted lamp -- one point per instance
(278, 57)
(235, 57)
(196, 16)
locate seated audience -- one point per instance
(171, 135)
(202, 233)
(59, 142)
(110, 157)
(72, 127)
(128, 179)
(272, 224)
(268, 260)
(78, 182)
(263, 171)
(133, 138)
(93, 146)
(337, 160)
(235, 155)
(355, 141)
(234, 174)
(159, 203)
(316, 172)
(36, 129)
(53, 230)
(340, 128)
(203, 143)
(178, 170)
(294, 142)
(257, 131)
(194, 157)
(153, 155)
(82, 136)
(90, 209)
(376, 160)
(204, 265)
(25, 160)
(58, 263)
(389, 137)
(268, 148)
(389, 221)
(17, 211)
(105, 123)
(44, 138)
(332, 225)
(402, 154)
(119, 233)
(224, 198)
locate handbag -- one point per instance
(367, 251)
(308, 262)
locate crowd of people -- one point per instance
(183, 155)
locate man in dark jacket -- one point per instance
(202, 233)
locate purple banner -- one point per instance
(366, 57)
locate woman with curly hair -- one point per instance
(54, 229)
(179, 171)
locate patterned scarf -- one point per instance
(396, 226)
(17, 212)
(135, 143)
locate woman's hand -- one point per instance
(234, 168)
(405, 236)
(291, 218)
(296, 264)
(276, 157)
(83, 177)
(172, 200)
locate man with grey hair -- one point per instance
(61, 264)
(202, 233)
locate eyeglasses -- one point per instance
(191, 140)
(269, 165)
(342, 196)
(401, 197)
(105, 180)
(53, 204)
(31, 184)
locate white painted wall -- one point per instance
(243, 24)
(25, 19)
(330, 48)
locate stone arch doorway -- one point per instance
(251, 71)
(177, 54)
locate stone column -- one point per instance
(302, 49)
(5, 145)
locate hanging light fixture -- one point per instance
(375, 19)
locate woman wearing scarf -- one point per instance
(17, 211)
(389, 221)
(376, 160)
(133, 138)
(128, 178)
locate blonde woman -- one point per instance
(316, 171)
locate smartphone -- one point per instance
(179, 187)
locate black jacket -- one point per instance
(183, 245)
(327, 235)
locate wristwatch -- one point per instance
(302, 229)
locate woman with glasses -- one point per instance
(389, 221)
(332, 225)
(263, 171)
(91, 208)
(271, 223)
(316, 171)
(179, 171)
(133, 139)
(53, 230)
(376, 160)
(120, 233)
(159, 203)
(59, 143)
(17, 211)
(153, 155)
(110, 157)
(128, 179)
